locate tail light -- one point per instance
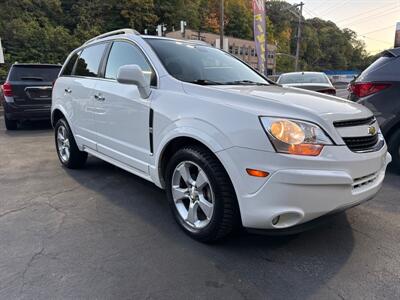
(7, 89)
(328, 91)
(363, 89)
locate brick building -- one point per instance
(243, 49)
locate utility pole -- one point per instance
(221, 26)
(296, 66)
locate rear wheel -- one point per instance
(394, 149)
(10, 124)
(201, 195)
(67, 150)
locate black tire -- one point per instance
(226, 216)
(10, 124)
(394, 150)
(77, 158)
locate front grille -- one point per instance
(356, 122)
(362, 143)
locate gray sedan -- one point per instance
(313, 81)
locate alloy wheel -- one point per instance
(63, 144)
(192, 194)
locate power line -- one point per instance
(381, 14)
(310, 12)
(376, 30)
(383, 42)
(365, 12)
(337, 5)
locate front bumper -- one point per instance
(300, 189)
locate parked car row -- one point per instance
(230, 147)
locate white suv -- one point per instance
(229, 147)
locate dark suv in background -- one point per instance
(378, 88)
(26, 93)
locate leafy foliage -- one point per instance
(47, 30)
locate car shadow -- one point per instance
(276, 266)
(28, 128)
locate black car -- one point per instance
(378, 88)
(26, 94)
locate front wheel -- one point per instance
(68, 152)
(201, 195)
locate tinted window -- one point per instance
(89, 61)
(302, 78)
(70, 65)
(199, 64)
(384, 68)
(122, 54)
(34, 73)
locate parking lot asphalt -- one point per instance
(103, 233)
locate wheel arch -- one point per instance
(393, 129)
(178, 141)
(56, 115)
(173, 145)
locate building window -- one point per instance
(246, 51)
(230, 49)
(253, 52)
(241, 51)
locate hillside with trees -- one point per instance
(47, 30)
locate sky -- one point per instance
(374, 21)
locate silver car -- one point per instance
(313, 81)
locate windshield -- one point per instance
(302, 78)
(203, 64)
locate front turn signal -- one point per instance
(305, 149)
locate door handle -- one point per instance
(68, 90)
(99, 97)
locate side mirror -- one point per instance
(133, 74)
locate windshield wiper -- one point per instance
(244, 82)
(205, 82)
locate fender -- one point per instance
(197, 129)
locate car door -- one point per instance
(122, 116)
(81, 89)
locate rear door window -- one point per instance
(41, 73)
(89, 61)
(69, 67)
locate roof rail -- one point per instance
(111, 33)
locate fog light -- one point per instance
(275, 220)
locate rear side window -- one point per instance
(34, 73)
(384, 68)
(123, 53)
(89, 61)
(69, 67)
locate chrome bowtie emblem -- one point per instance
(371, 130)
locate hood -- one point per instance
(275, 100)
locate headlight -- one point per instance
(294, 136)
